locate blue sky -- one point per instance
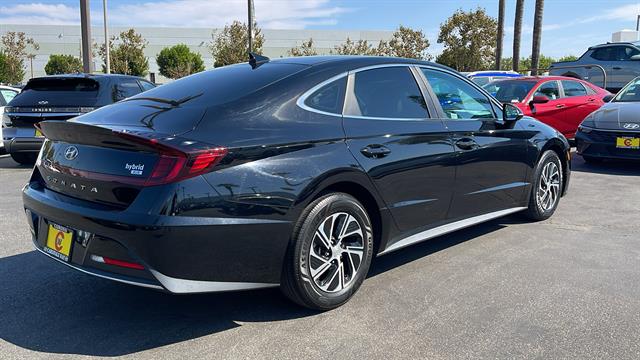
(570, 26)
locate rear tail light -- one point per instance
(177, 160)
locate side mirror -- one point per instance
(540, 99)
(635, 57)
(607, 98)
(511, 113)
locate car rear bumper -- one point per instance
(16, 139)
(177, 254)
(602, 144)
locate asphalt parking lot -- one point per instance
(568, 287)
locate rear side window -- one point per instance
(328, 98)
(123, 89)
(458, 99)
(604, 54)
(390, 92)
(573, 88)
(7, 95)
(549, 89)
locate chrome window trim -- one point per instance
(303, 98)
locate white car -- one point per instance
(6, 94)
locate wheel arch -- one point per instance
(557, 146)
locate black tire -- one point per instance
(540, 207)
(592, 160)
(297, 283)
(24, 158)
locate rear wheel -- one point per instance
(330, 253)
(547, 187)
(24, 158)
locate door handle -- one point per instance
(560, 106)
(592, 100)
(617, 68)
(466, 144)
(375, 151)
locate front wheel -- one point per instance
(330, 253)
(547, 187)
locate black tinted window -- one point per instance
(604, 54)
(573, 88)
(123, 89)
(626, 52)
(387, 93)
(58, 92)
(329, 98)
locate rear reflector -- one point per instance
(115, 262)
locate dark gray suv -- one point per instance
(621, 63)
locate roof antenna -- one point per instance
(256, 60)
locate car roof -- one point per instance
(353, 60)
(632, 43)
(542, 78)
(509, 73)
(86, 76)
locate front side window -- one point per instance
(626, 52)
(549, 89)
(146, 85)
(328, 98)
(573, 88)
(458, 99)
(390, 92)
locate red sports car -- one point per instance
(558, 101)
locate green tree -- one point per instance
(178, 61)
(230, 45)
(568, 58)
(305, 49)
(126, 54)
(4, 76)
(14, 47)
(407, 43)
(545, 63)
(469, 40)
(350, 47)
(63, 64)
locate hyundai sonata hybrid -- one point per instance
(290, 172)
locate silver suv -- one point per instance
(621, 63)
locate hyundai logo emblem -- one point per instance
(43, 102)
(631, 126)
(71, 153)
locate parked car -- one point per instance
(613, 131)
(59, 97)
(558, 101)
(484, 77)
(620, 61)
(291, 172)
(6, 94)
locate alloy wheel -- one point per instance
(549, 187)
(336, 252)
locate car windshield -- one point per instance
(507, 91)
(630, 93)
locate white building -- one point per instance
(65, 39)
(624, 36)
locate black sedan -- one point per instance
(290, 172)
(613, 131)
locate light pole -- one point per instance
(250, 25)
(106, 38)
(85, 27)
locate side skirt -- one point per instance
(447, 228)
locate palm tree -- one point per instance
(537, 37)
(517, 32)
(500, 34)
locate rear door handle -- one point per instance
(591, 100)
(559, 106)
(466, 144)
(375, 151)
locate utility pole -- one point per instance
(106, 37)
(85, 27)
(250, 24)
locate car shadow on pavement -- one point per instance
(608, 167)
(50, 308)
(6, 162)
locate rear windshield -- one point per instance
(50, 92)
(507, 91)
(177, 107)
